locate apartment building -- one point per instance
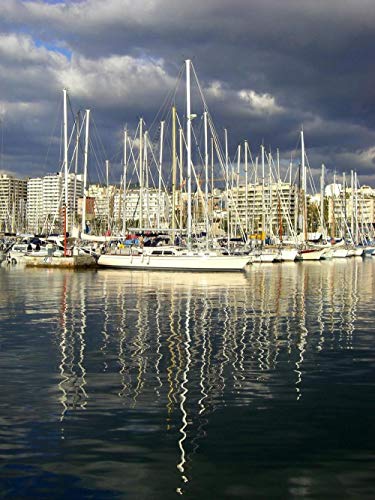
(110, 206)
(45, 198)
(345, 205)
(263, 208)
(13, 193)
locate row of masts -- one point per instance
(231, 176)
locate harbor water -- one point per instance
(154, 385)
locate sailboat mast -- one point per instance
(125, 181)
(352, 203)
(304, 185)
(65, 92)
(107, 180)
(263, 208)
(322, 198)
(227, 185)
(173, 171)
(356, 207)
(238, 186)
(181, 160)
(246, 190)
(206, 174)
(160, 168)
(188, 142)
(74, 211)
(147, 184)
(85, 170)
(140, 172)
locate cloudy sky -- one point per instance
(266, 68)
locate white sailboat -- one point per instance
(174, 258)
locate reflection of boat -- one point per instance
(177, 279)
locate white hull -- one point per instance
(265, 256)
(340, 253)
(312, 255)
(289, 254)
(176, 262)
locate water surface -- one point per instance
(126, 384)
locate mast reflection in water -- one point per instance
(153, 385)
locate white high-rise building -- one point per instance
(12, 203)
(109, 206)
(46, 196)
(272, 205)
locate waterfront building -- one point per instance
(268, 207)
(348, 208)
(45, 198)
(13, 194)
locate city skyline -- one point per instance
(266, 68)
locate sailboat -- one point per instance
(175, 258)
(307, 252)
(71, 258)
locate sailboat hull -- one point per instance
(311, 254)
(175, 262)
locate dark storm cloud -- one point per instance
(267, 66)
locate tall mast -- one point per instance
(66, 167)
(140, 172)
(188, 140)
(212, 176)
(322, 198)
(227, 183)
(270, 197)
(75, 171)
(160, 168)
(206, 175)
(344, 203)
(238, 184)
(333, 231)
(181, 148)
(303, 168)
(173, 171)
(356, 207)
(263, 208)
(125, 181)
(246, 190)
(352, 204)
(304, 186)
(147, 185)
(85, 170)
(107, 179)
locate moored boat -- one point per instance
(174, 259)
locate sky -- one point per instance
(266, 68)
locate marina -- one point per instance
(187, 250)
(183, 383)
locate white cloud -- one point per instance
(115, 79)
(260, 104)
(20, 48)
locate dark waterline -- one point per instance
(118, 384)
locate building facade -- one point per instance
(45, 199)
(269, 208)
(13, 195)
